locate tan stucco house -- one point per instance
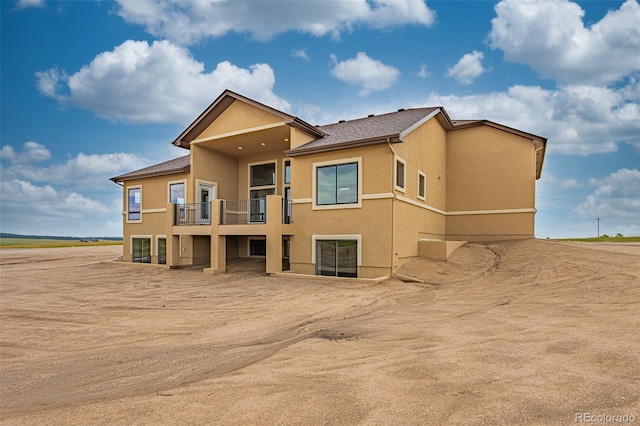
(356, 198)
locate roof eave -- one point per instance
(124, 178)
(225, 100)
(296, 152)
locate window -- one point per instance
(338, 258)
(176, 193)
(134, 204)
(141, 250)
(401, 174)
(257, 247)
(162, 251)
(287, 172)
(337, 184)
(262, 174)
(262, 182)
(422, 185)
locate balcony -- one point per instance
(252, 211)
(192, 214)
(232, 212)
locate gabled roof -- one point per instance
(374, 129)
(539, 143)
(223, 102)
(370, 130)
(177, 165)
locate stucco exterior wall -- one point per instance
(214, 167)
(154, 196)
(372, 221)
(490, 171)
(424, 150)
(239, 116)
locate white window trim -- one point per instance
(395, 174)
(275, 181)
(319, 164)
(126, 212)
(214, 186)
(174, 182)
(357, 237)
(422, 197)
(249, 246)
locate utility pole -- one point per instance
(598, 219)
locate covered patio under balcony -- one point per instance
(269, 218)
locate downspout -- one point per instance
(535, 174)
(393, 208)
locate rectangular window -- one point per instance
(262, 182)
(257, 247)
(162, 251)
(134, 204)
(401, 174)
(422, 185)
(176, 193)
(337, 258)
(337, 184)
(141, 250)
(287, 172)
(262, 175)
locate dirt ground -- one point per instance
(531, 332)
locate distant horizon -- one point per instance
(71, 237)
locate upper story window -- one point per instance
(287, 172)
(176, 193)
(262, 175)
(134, 203)
(286, 192)
(337, 184)
(401, 174)
(422, 185)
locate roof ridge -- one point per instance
(370, 116)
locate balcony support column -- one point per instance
(218, 243)
(173, 241)
(274, 234)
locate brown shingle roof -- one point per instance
(177, 165)
(372, 128)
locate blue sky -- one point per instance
(91, 89)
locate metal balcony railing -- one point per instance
(286, 211)
(235, 212)
(192, 214)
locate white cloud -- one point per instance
(83, 170)
(75, 201)
(570, 184)
(468, 68)
(189, 22)
(616, 196)
(27, 192)
(32, 152)
(578, 120)
(49, 82)
(423, 73)
(550, 37)
(370, 74)
(7, 152)
(161, 82)
(24, 4)
(32, 209)
(300, 53)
